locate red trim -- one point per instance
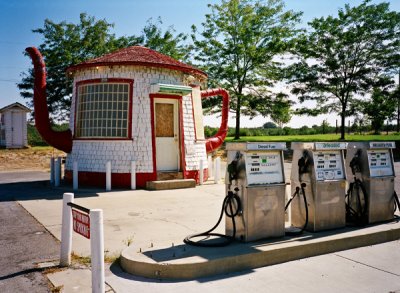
(180, 122)
(118, 180)
(104, 81)
(182, 138)
(194, 174)
(153, 134)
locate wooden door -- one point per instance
(17, 129)
(166, 134)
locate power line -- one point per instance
(9, 80)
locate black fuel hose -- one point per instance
(227, 208)
(296, 193)
(357, 216)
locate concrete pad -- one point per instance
(327, 273)
(136, 217)
(188, 262)
(170, 184)
(72, 280)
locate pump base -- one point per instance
(188, 262)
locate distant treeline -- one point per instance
(304, 130)
(34, 138)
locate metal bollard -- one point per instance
(108, 176)
(57, 172)
(75, 175)
(52, 171)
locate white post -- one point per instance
(97, 250)
(66, 230)
(75, 175)
(201, 172)
(52, 171)
(57, 172)
(108, 176)
(133, 175)
(217, 175)
(210, 166)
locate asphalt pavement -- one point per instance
(142, 218)
(26, 246)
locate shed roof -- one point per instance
(15, 105)
(141, 56)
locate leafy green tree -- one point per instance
(269, 125)
(167, 42)
(281, 110)
(379, 108)
(237, 46)
(344, 57)
(65, 44)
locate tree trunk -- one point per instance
(237, 127)
(343, 125)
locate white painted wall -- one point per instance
(92, 155)
(15, 128)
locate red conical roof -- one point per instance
(141, 56)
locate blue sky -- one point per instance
(19, 17)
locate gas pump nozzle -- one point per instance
(355, 162)
(233, 168)
(303, 163)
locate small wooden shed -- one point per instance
(13, 126)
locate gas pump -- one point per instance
(255, 195)
(318, 173)
(371, 196)
(255, 172)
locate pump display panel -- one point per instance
(328, 165)
(264, 168)
(380, 163)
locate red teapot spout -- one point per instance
(61, 140)
(216, 141)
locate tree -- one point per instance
(65, 44)
(280, 110)
(239, 41)
(269, 125)
(167, 42)
(342, 58)
(379, 108)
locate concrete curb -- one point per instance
(186, 262)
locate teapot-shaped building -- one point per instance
(131, 105)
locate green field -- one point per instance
(318, 137)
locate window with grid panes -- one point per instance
(102, 110)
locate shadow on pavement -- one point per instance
(116, 269)
(40, 190)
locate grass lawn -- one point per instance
(318, 137)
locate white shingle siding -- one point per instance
(92, 155)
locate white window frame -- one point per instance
(103, 109)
